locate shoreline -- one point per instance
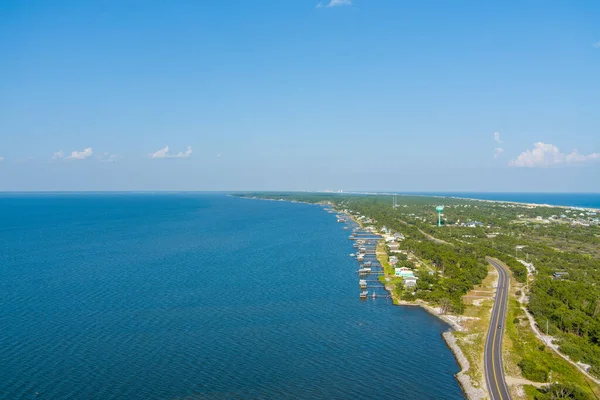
(464, 381)
(519, 203)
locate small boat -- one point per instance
(362, 283)
(345, 228)
(351, 254)
(363, 294)
(374, 295)
(364, 271)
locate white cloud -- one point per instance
(545, 155)
(164, 153)
(497, 137)
(186, 153)
(498, 152)
(1, 158)
(80, 155)
(335, 3)
(107, 157)
(576, 157)
(596, 45)
(57, 155)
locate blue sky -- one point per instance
(300, 95)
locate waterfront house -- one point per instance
(394, 246)
(410, 281)
(403, 272)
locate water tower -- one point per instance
(439, 210)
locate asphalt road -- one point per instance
(494, 372)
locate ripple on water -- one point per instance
(199, 297)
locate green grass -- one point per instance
(527, 351)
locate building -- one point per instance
(410, 281)
(398, 237)
(403, 272)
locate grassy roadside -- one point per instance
(527, 356)
(478, 308)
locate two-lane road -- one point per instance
(494, 372)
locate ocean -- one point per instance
(584, 200)
(199, 296)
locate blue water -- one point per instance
(586, 200)
(199, 297)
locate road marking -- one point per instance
(494, 344)
(500, 297)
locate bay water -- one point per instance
(199, 296)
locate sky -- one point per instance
(300, 95)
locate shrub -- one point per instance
(532, 371)
(563, 391)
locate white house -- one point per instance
(410, 281)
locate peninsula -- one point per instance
(519, 284)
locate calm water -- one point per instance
(199, 296)
(586, 200)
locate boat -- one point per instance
(374, 295)
(363, 294)
(364, 271)
(351, 254)
(345, 228)
(362, 283)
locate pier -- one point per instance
(365, 243)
